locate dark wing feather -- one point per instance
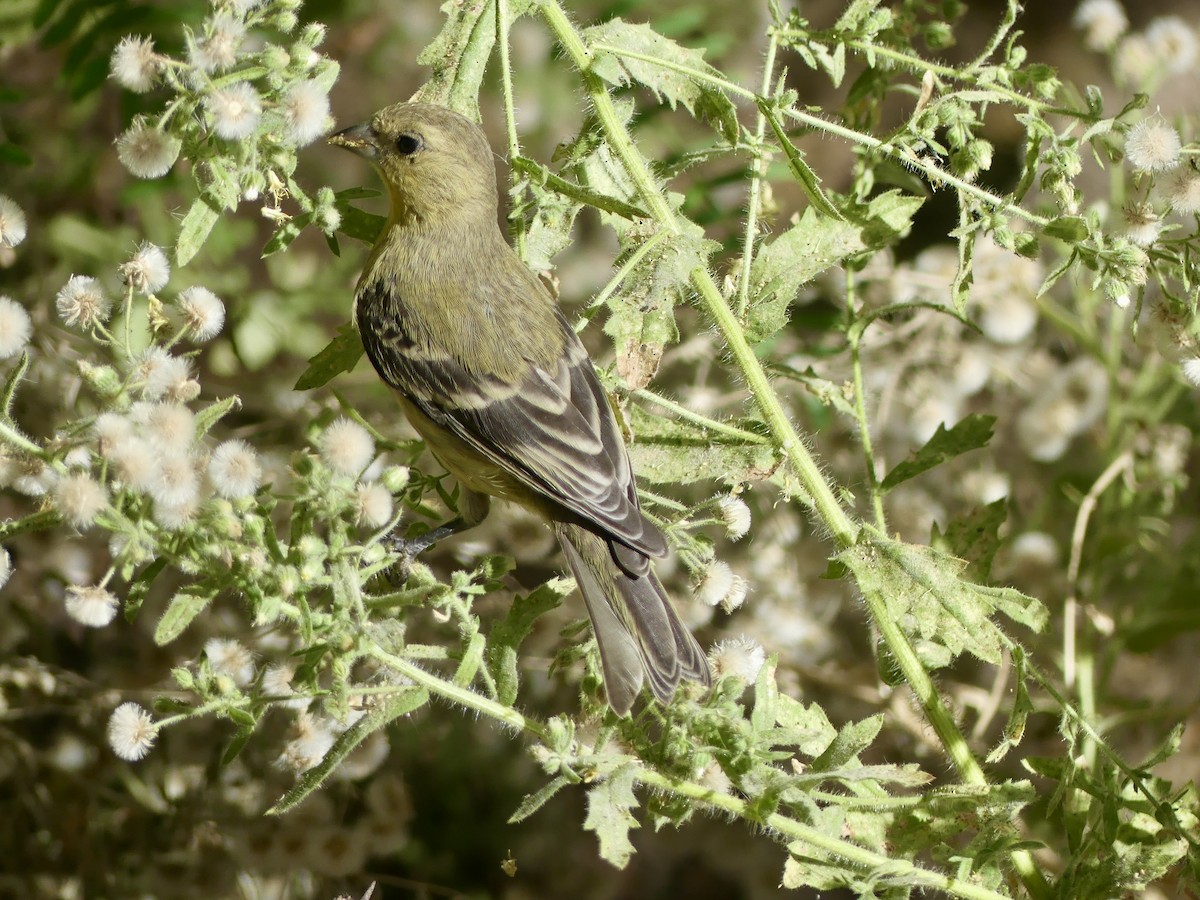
(553, 431)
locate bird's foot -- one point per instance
(408, 549)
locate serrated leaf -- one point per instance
(340, 355)
(923, 590)
(851, 740)
(194, 229)
(669, 451)
(610, 804)
(179, 614)
(625, 53)
(974, 537)
(392, 707)
(969, 434)
(535, 801)
(791, 260)
(641, 318)
(459, 55)
(214, 412)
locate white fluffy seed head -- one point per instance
(1101, 21)
(147, 152)
(1153, 146)
(131, 732)
(1173, 43)
(175, 482)
(15, 327)
(217, 48)
(346, 447)
(148, 271)
(229, 657)
(740, 657)
(92, 606)
(735, 515)
(235, 111)
(12, 222)
(170, 426)
(1142, 224)
(162, 375)
(79, 498)
(234, 470)
(203, 313)
(1191, 370)
(134, 462)
(81, 301)
(112, 430)
(736, 595)
(6, 567)
(374, 505)
(715, 583)
(305, 110)
(134, 64)
(1184, 192)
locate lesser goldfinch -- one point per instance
(497, 383)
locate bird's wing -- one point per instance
(553, 431)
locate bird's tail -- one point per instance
(638, 631)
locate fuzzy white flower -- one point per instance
(1101, 21)
(1070, 404)
(1152, 146)
(135, 462)
(940, 408)
(15, 327)
(134, 64)
(1191, 370)
(175, 482)
(92, 606)
(112, 430)
(12, 222)
(972, 371)
(374, 505)
(1134, 60)
(1142, 224)
(6, 567)
(234, 470)
(305, 109)
(174, 516)
(735, 515)
(235, 110)
(1033, 550)
(346, 447)
(229, 657)
(168, 426)
(310, 741)
(1184, 192)
(715, 583)
(79, 498)
(203, 312)
(1173, 43)
(148, 271)
(161, 374)
(736, 595)
(741, 657)
(147, 152)
(131, 732)
(277, 682)
(218, 48)
(82, 301)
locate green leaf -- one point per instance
(974, 537)
(472, 659)
(854, 738)
(459, 55)
(924, 591)
(214, 413)
(11, 383)
(237, 744)
(358, 224)
(790, 261)
(535, 801)
(672, 451)
(392, 707)
(506, 635)
(179, 614)
(625, 52)
(971, 433)
(800, 168)
(1067, 228)
(610, 804)
(340, 355)
(195, 228)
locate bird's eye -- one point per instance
(408, 144)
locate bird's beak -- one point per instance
(360, 139)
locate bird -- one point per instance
(498, 385)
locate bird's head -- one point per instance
(436, 163)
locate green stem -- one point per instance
(39, 521)
(696, 418)
(758, 170)
(11, 435)
(503, 21)
(815, 840)
(854, 334)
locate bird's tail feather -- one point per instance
(640, 636)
